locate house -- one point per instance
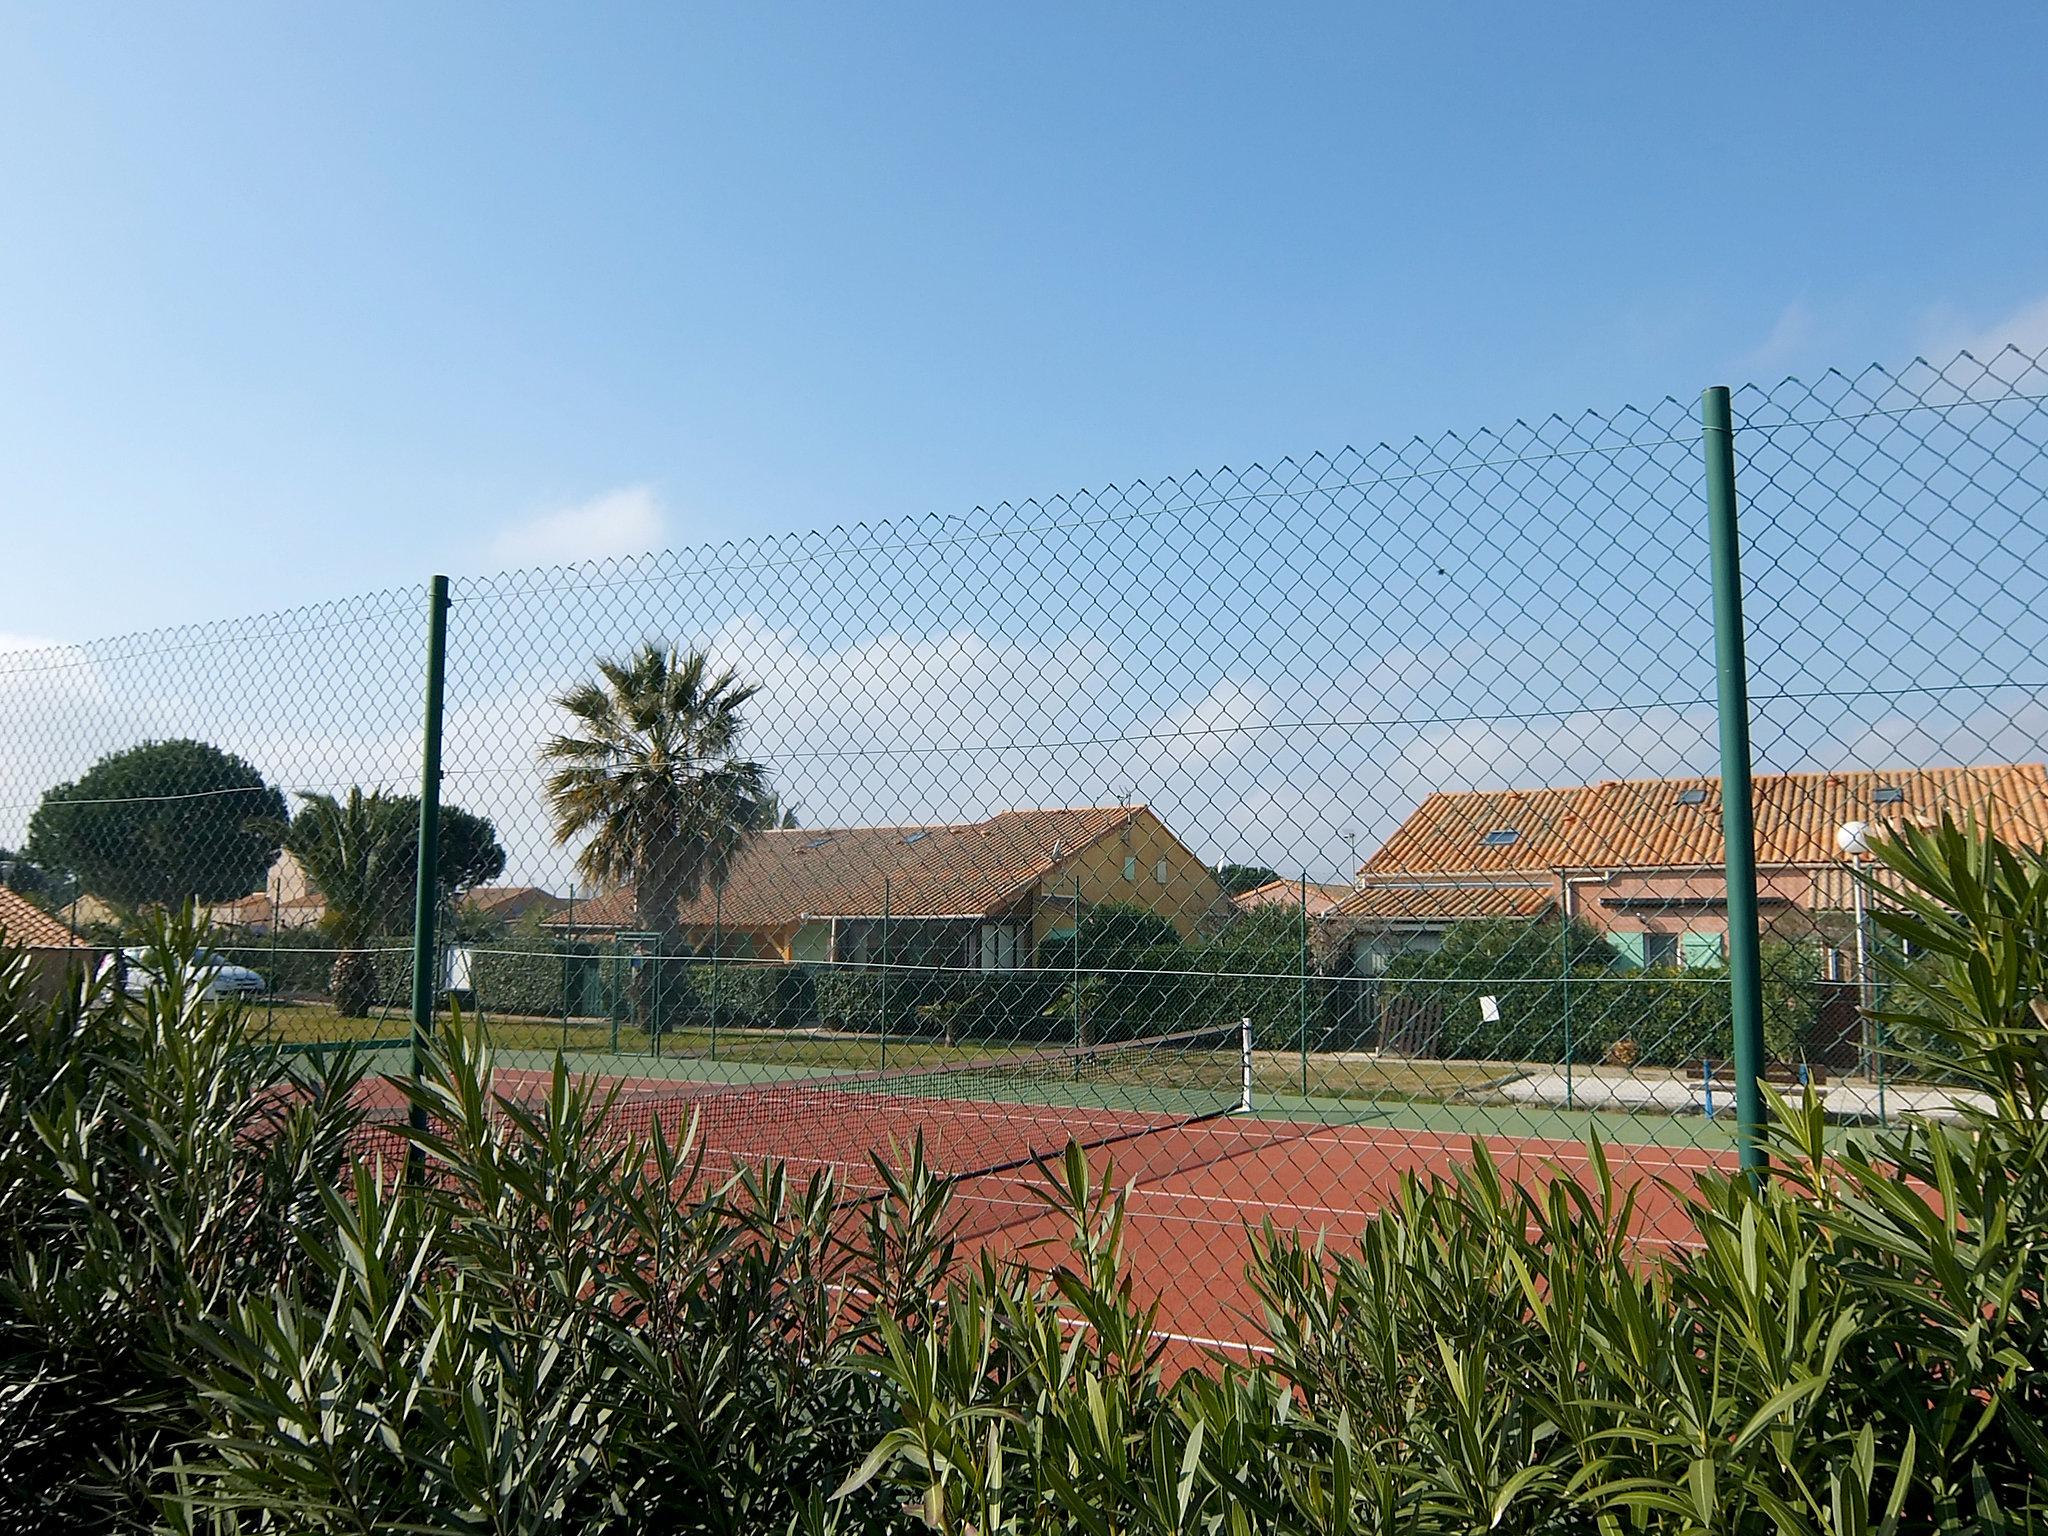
(287, 901)
(1641, 860)
(511, 903)
(980, 895)
(1291, 894)
(55, 953)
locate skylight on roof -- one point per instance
(917, 836)
(1501, 837)
(818, 842)
(1887, 794)
(1692, 797)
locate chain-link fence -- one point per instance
(1281, 830)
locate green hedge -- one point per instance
(753, 996)
(952, 1005)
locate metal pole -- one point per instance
(270, 993)
(717, 944)
(885, 973)
(426, 874)
(1302, 999)
(1862, 969)
(1866, 992)
(1074, 967)
(1564, 975)
(1244, 1091)
(1738, 825)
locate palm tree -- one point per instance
(774, 815)
(650, 776)
(359, 853)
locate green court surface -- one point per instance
(1434, 1100)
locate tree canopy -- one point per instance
(649, 776)
(362, 853)
(163, 822)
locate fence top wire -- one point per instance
(1836, 398)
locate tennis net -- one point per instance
(976, 1115)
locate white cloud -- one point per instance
(13, 642)
(626, 521)
(1948, 331)
(1792, 337)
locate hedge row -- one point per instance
(1595, 1014)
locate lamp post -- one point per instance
(1853, 838)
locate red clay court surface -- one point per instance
(1194, 1189)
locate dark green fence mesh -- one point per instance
(1389, 779)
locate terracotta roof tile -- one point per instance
(496, 898)
(1424, 903)
(1288, 893)
(1676, 823)
(974, 869)
(28, 926)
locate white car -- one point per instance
(223, 977)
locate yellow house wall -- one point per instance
(744, 943)
(1189, 897)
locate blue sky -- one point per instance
(304, 301)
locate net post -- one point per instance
(1244, 1099)
(717, 943)
(1738, 826)
(426, 872)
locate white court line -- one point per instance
(1351, 1134)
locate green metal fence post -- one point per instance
(270, 992)
(1074, 972)
(1738, 825)
(885, 973)
(567, 945)
(1302, 999)
(426, 879)
(1564, 979)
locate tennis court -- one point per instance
(1203, 1159)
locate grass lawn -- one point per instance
(525, 1041)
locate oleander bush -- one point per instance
(220, 1311)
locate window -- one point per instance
(997, 947)
(1887, 794)
(1692, 797)
(1653, 951)
(1160, 872)
(1131, 868)
(1699, 951)
(1502, 837)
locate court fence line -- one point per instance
(1520, 779)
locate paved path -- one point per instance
(1856, 1099)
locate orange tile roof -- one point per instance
(27, 926)
(1415, 902)
(1676, 823)
(1289, 893)
(497, 898)
(975, 869)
